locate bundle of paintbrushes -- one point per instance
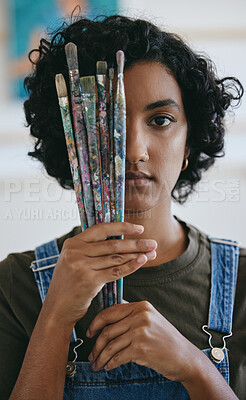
(95, 133)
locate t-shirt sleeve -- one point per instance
(13, 339)
(19, 307)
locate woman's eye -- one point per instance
(160, 121)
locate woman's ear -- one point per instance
(187, 152)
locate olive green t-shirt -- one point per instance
(178, 289)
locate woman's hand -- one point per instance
(138, 332)
(88, 261)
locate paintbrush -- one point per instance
(101, 77)
(80, 130)
(111, 144)
(104, 135)
(113, 285)
(120, 150)
(81, 137)
(68, 130)
(88, 87)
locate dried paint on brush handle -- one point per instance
(90, 119)
(113, 285)
(119, 160)
(104, 149)
(111, 147)
(82, 147)
(73, 161)
(120, 149)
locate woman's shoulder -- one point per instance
(205, 238)
(13, 267)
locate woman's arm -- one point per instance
(207, 382)
(42, 375)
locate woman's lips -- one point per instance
(137, 179)
(136, 182)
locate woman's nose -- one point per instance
(136, 145)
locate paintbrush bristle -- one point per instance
(71, 55)
(102, 68)
(111, 73)
(120, 58)
(61, 87)
(88, 84)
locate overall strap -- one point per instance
(43, 267)
(46, 250)
(224, 265)
(224, 257)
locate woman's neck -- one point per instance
(160, 225)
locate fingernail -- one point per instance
(141, 259)
(151, 255)
(139, 228)
(88, 334)
(151, 244)
(91, 358)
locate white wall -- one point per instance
(34, 209)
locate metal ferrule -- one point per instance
(101, 80)
(63, 101)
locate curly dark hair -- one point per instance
(205, 97)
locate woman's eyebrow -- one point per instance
(162, 103)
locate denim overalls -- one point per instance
(132, 381)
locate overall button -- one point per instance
(217, 355)
(70, 369)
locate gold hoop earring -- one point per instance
(186, 162)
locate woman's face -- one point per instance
(156, 129)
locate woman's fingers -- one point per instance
(117, 246)
(108, 353)
(115, 260)
(107, 336)
(104, 262)
(123, 357)
(108, 316)
(103, 231)
(114, 273)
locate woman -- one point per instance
(150, 346)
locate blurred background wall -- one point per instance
(33, 208)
